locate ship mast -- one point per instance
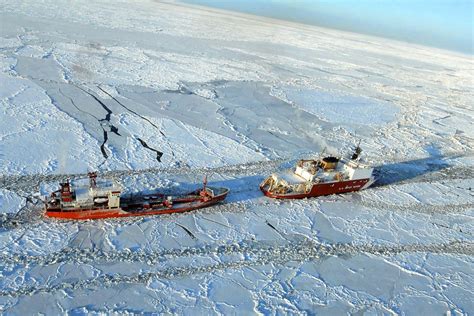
(92, 179)
(357, 152)
(204, 183)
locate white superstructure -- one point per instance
(89, 194)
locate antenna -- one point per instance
(322, 152)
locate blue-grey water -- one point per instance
(446, 24)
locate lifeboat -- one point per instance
(101, 200)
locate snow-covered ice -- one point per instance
(157, 94)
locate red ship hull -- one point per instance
(321, 189)
(181, 204)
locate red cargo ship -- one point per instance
(102, 199)
(316, 177)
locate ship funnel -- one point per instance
(328, 163)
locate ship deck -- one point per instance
(324, 176)
(142, 205)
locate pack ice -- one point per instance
(157, 94)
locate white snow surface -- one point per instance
(109, 85)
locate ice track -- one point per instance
(29, 183)
(255, 253)
(82, 256)
(32, 213)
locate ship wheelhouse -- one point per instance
(86, 194)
